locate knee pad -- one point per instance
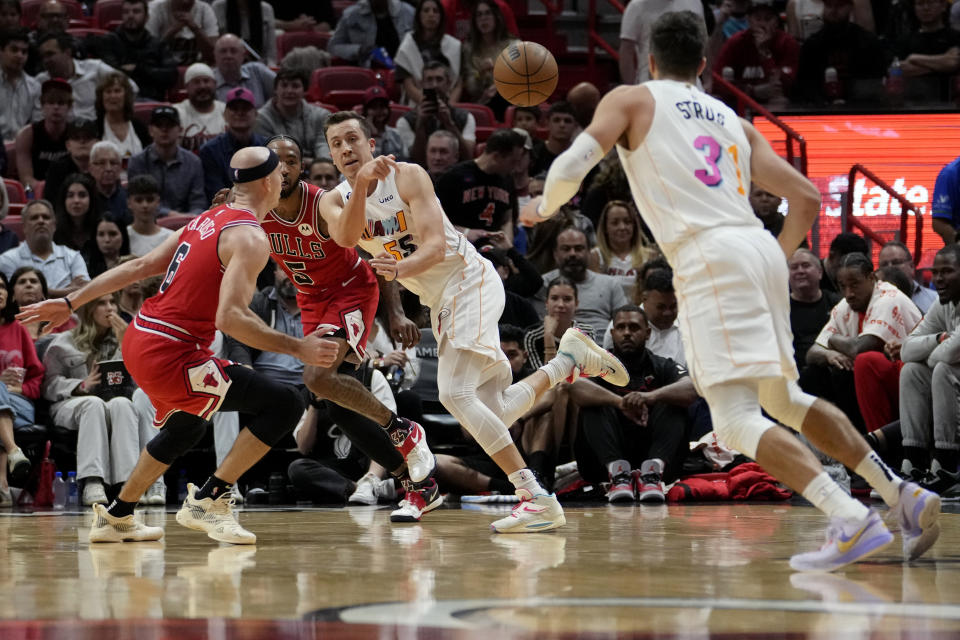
(785, 401)
(736, 415)
(179, 434)
(287, 407)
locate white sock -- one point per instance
(524, 480)
(559, 368)
(826, 495)
(879, 476)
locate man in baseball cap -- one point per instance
(80, 138)
(376, 109)
(240, 116)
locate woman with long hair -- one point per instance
(427, 42)
(622, 247)
(111, 242)
(541, 340)
(27, 286)
(488, 37)
(108, 431)
(77, 208)
(21, 375)
(253, 22)
(115, 121)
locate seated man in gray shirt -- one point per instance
(599, 295)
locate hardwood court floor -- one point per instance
(688, 571)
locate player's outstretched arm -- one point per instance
(346, 221)
(774, 174)
(56, 311)
(244, 251)
(613, 119)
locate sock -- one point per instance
(214, 487)
(500, 485)
(618, 467)
(397, 429)
(880, 477)
(120, 509)
(558, 369)
(826, 495)
(524, 480)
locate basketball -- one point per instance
(525, 74)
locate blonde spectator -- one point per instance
(622, 247)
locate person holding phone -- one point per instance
(435, 113)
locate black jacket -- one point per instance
(156, 67)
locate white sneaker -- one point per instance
(215, 517)
(539, 513)
(590, 360)
(414, 449)
(18, 465)
(846, 541)
(106, 528)
(237, 496)
(366, 491)
(93, 492)
(156, 495)
(417, 502)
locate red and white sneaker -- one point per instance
(649, 481)
(417, 501)
(621, 489)
(414, 449)
(590, 360)
(538, 513)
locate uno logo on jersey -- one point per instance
(387, 227)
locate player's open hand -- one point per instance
(385, 265)
(318, 351)
(528, 214)
(54, 312)
(377, 169)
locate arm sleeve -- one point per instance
(339, 44)
(78, 267)
(568, 171)
(208, 21)
(923, 340)
(57, 385)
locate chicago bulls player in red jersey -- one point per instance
(211, 269)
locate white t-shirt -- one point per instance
(199, 127)
(890, 316)
(638, 18)
(141, 245)
(129, 146)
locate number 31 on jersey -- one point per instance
(713, 152)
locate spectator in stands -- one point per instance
(805, 17)
(77, 210)
(896, 254)
(188, 27)
(232, 72)
(842, 245)
(562, 126)
(584, 98)
(928, 382)
(63, 267)
(240, 116)
(376, 109)
(766, 206)
(323, 173)
(8, 238)
(10, 13)
(112, 243)
(178, 172)
(622, 247)
(425, 43)
(29, 285)
(144, 203)
(108, 442)
(253, 22)
(459, 15)
(660, 308)
(20, 380)
(562, 299)
(201, 114)
(609, 184)
(443, 150)
(929, 55)
(763, 57)
(19, 92)
(810, 306)
(599, 295)
(40, 144)
(488, 37)
(436, 113)
(638, 18)
(945, 205)
(864, 335)
(304, 15)
(289, 114)
(369, 25)
(644, 429)
(897, 278)
(106, 165)
(147, 59)
(853, 52)
(517, 310)
(81, 135)
(57, 51)
(478, 194)
(114, 106)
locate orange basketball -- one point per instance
(525, 74)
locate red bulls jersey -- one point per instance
(185, 307)
(312, 261)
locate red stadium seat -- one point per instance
(339, 6)
(15, 191)
(83, 32)
(292, 39)
(484, 132)
(481, 113)
(397, 111)
(174, 222)
(142, 110)
(30, 9)
(107, 11)
(328, 79)
(344, 99)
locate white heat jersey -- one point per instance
(692, 171)
(391, 228)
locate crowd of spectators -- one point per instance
(104, 181)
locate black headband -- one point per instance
(262, 170)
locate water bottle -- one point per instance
(894, 82)
(832, 88)
(73, 497)
(395, 377)
(28, 190)
(182, 486)
(59, 491)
